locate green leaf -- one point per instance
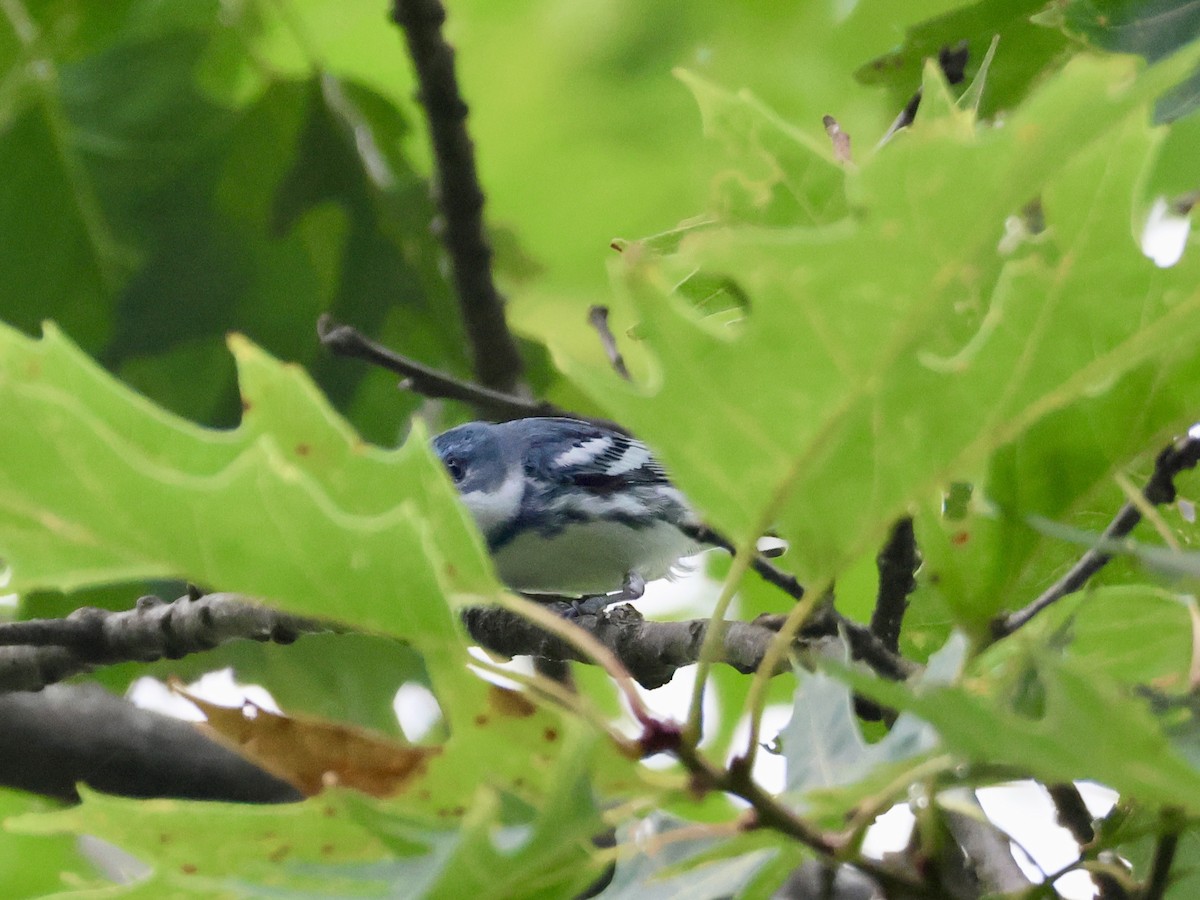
(46, 202)
(1151, 28)
(853, 390)
(673, 866)
(349, 845)
(200, 845)
(1027, 51)
(826, 752)
(976, 723)
(198, 489)
(779, 173)
(343, 677)
(1135, 634)
(165, 188)
(552, 856)
(291, 507)
(37, 865)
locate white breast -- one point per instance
(590, 558)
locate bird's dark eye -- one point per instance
(456, 470)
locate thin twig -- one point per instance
(598, 319)
(897, 563)
(770, 573)
(345, 340)
(458, 195)
(1160, 488)
(770, 813)
(756, 697)
(1164, 855)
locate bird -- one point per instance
(569, 509)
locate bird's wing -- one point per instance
(593, 457)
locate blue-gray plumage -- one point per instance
(568, 508)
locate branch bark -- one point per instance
(897, 564)
(72, 734)
(651, 651)
(40, 652)
(344, 340)
(1172, 823)
(458, 195)
(1072, 813)
(987, 861)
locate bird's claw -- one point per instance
(633, 588)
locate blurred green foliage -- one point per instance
(819, 347)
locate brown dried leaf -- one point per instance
(313, 754)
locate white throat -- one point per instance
(492, 509)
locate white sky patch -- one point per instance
(521, 664)
(770, 769)
(1165, 235)
(585, 452)
(890, 832)
(1024, 811)
(688, 592)
(671, 702)
(216, 687)
(416, 709)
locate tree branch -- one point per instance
(651, 651)
(1176, 457)
(71, 734)
(1164, 855)
(1072, 813)
(458, 195)
(897, 563)
(767, 811)
(987, 861)
(40, 652)
(344, 340)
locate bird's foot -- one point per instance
(633, 588)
